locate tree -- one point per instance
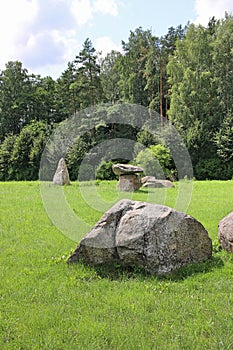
(224, 139)
(152, 71)
(194, 107)
(27, 150)
(43, 100)
(133, 65)
(6, 168)
(76, 153)
(87, 83)
(14, 90)
(167, 49)
(110, 76)
(68, 91)
(24, 98)
(223, 66)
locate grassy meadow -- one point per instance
(46, 304)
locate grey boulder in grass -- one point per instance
(154, 237)
(225, 232)
(151, 181)
(61, 176)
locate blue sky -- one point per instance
(45, 34)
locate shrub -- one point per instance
(86, 172)
(156, 161)
(104, 171)
(20, 155)
(6, 148)
(213, 169)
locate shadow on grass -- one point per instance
(119, 272)
(215, 262)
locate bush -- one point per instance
(213, 169)
(75, 155)
(27, 151)
(6, 148)
(156, 161)
(20, 155)
(104, 171)
(86, 172)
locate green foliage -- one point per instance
(24, 98)
(26, 152)
(86, 172)
(213, 169)
(104, 171)
(87, 83)
(146, 138)
(110, 76)
(162, 154)
(133, 64)
(156, 161)
(76, 154)
(6, 167)
(14, 88)
(223, 64)
(201, 103)
(224, 139)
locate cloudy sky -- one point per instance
(46, 34)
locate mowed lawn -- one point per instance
(47, 304)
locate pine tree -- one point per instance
(88, 83)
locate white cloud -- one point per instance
(206, 9)
(82, 11)
(15, 16)
(105, 45)
(106, 7)
(46, 34)
(42, 48)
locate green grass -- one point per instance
(47, 304)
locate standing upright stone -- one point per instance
(61, 176)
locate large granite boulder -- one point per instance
(61, 176)
(151, 181)
(225, 232)
(129, 178)
(154, 237)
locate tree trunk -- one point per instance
(166, 99)
(161, 89)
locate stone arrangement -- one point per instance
(156, 238)
(225, 232)
(129, 178)
(152, 182)
(61, 176)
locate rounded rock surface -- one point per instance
(126, 169)
(225, 232)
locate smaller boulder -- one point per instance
(61, 176)
(151, 181)
(147, 179)
(225, 232)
